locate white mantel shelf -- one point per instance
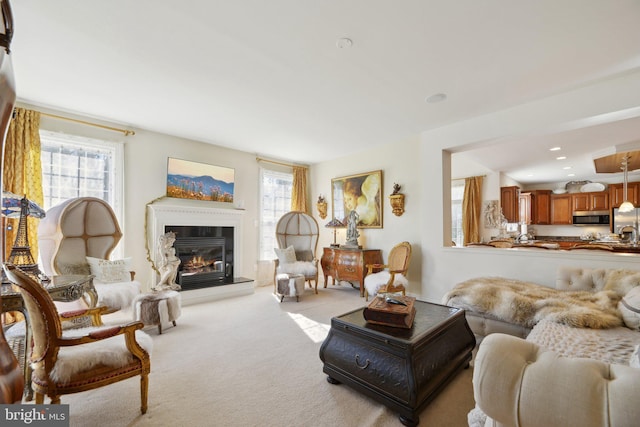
(180, 212)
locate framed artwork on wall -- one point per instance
(362, 193)
(199, 181)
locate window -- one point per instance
(275, 201)
(457, 194)
(81, 167)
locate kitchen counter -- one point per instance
(565, 244)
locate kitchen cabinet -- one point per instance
(616, 194)
(595, 201)
(561, 209)
(541, 207)
(509, 201)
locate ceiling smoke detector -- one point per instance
(438, 97)
(344, 43)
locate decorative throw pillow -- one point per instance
(629, 306)
(286, 256)
(304, 256)
(107, 271)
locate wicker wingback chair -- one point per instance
(389, 277)
(297, 238)
(59, 368)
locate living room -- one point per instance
(419, 159)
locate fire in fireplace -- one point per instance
(206, 255)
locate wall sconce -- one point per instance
(322, 207)
(397, 200)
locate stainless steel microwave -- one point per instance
(591, 218)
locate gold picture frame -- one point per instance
(362, 192)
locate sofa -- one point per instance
(555, 356)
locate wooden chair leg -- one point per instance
(144, 387)
(39, 398)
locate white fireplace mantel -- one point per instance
(193, 213)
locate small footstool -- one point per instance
(157, 308)
(289, 285)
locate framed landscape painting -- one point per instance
(199, 181)
(362, 193)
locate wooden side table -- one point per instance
(348, 264)
(64, 288)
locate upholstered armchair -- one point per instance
(390, 277)
(79, 359)
(77, 237)
(297, 238)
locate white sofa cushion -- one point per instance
(629, 306)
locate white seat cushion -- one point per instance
(373, 282)
(117, 295)
(299, 267)
(110, 351)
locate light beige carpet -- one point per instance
(253, 361)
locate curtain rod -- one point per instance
(126, 132)
(260, 159)
(474, 176)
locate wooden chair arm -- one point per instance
(133, 275)
(370, 267)
(102, 334)
(95, 313)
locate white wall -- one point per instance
(418, 164)
(444, 267)
(400, 163)
(146, 156)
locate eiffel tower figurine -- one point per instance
(21, 251)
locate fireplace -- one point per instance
(187, 213)
(206, 255)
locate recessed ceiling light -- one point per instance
(566, 167)
(344, 43)
(571, 174)
(554, 149)
(561, 158)
(530, 174)
(438, 97)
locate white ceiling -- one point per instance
(267, 76)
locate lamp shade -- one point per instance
(335, 223)
(12, 206)
(626, 206)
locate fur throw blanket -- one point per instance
(525, 303)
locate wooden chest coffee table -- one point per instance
(402, 368)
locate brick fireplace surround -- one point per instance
(193, 213)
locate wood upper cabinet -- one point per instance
(616, 194)
(541, 207)
(596, 201)
(509, 202)
(561, 209)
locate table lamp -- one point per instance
(335, 223)
(14, 206)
